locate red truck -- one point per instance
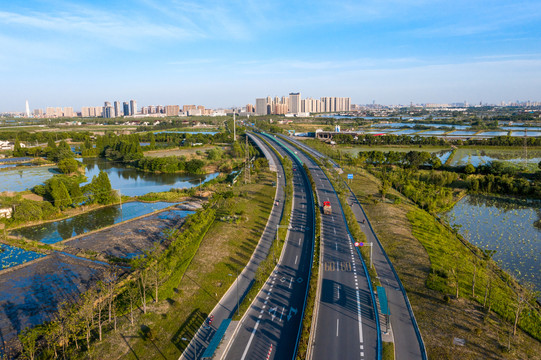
(327, 210)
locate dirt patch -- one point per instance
(32, 197)
(129, 239)
(32, 294)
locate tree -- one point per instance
(469, 169)
(152, 141)
(101, 189)
(68, 165)
(28, 338)
(384, 189)
(60, 194)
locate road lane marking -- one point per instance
(291, 282)
(337, 322)
(282, 314)
(359, 317)
(296, 258)
(299, 241)
(250, 340)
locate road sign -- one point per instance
(359, 244)
(350, 176)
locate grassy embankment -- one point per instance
(224, 250)
(424, 252)
(267, 266)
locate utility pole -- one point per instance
(234, 128)
(247, 163)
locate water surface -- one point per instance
(56, 231)
(511, 227)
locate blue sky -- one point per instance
(226, 53)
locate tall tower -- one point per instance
(27, 110)
(295, 103)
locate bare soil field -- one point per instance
(131, 238)
(31, 294)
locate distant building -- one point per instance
(294, 103)
(68, 112)
(261, 106)
(172, 110)
(126, 108)
(118, 109)
(133, 107)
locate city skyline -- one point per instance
(221, 55)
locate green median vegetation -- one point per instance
(312, 292)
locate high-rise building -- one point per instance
(27, 110)
(295, 103)
(68, 111)
(118, 109)
(108, 110)
(261, 106)
(172, 110)
(126, 108)
(133, 107)
(38, 112)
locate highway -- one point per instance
(227, 306)
(271, 326)
(346, 326)
(408, 342)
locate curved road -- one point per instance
(270, 327)
(346, 326)
(227, 305)
(408, 342)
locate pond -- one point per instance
(511, 227)
(20, 179)
(478, 157)
(132, 182)
(56, 231)
(129, 181)
(11, 256)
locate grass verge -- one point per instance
(440, 321)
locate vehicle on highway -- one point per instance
(327, 210)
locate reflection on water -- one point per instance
(504, 225)
(56, 231)
(25, 178)
(129, 181)
(132, 182)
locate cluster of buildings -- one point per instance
(296, 106)
(125, 109)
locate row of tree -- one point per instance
(152, 276)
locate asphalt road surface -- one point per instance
(346, 325)
(271, 326)
(227, 305)
(407, 341)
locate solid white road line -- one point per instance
(360, 317)
(250, 340)
(337, 322)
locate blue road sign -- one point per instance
(350, 176)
